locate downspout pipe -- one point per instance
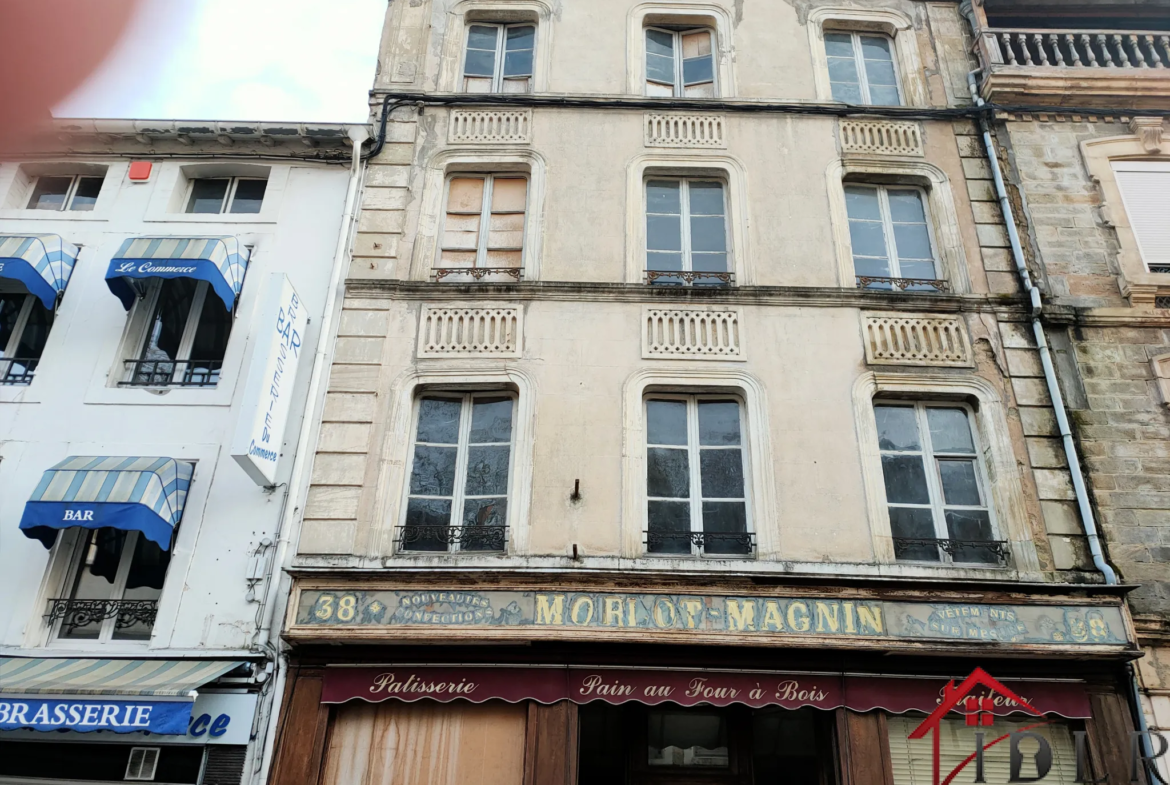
(1070, 451)
(278, 585)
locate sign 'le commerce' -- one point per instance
(684, 613)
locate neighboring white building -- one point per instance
(163, 286)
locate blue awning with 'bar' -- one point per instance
(129, 493)
(221, 261)
(42, 262)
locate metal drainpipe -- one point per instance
(1070, 451)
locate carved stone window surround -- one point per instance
(393, 461)
(495, 161)
(895, 24)
(683, 14)
(466, 13)
(687, 164)
(1135, 281)
(942, 215)
(1008, 504)
(757, 455)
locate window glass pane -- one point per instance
(170, 319)
(913, 523)
(708, 233)
(897, 427)
(481, 51)
(880, 95)
(465, 195)
(668, 527)
(691, 738)
(211, 340)
(509, 194)
(918, 269)
(518, 63)
(867, 238)
(722, 474)
(662, 197)
(877, 268)
(839, 45)
(426, 513)
(659, 43)
(959, 484)
(905, 479)
(666, 422)
(663, 232)
(207, 196)
(706, 198)
(709, 263)
(35, 333)
(144, 581)
(906, 206)
(698, 70)
(485, 512)
(249, 196)
(725, 518)
(660, 57)
(10, 307)
(785, 747)
(487, 471)
(438, 420)
(434, 470)
(969, 525)
(950, 430)
(667, 262)
(491, 420)
(85, 196)
(667, 473)
(49, 193)
(876, 47)
(461, 232)
(101, 553)
(912, 241)
(520, 38)
(718, 422)
(482, 37)
(862, 203)
(847, 92)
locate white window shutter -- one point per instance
(912, 763)
(1145, 189)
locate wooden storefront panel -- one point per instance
(396, 743)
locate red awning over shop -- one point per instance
(683, 687)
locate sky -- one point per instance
(264, 60)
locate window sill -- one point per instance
(55, 215)
(211, 218)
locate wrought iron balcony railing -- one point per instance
(701, 543)
(960, 551)
(904, 284)
(688, 278)
(421, 537)
(478, 273)
(74, 614)
(1077, 48)
(17, 370)
(172, 373)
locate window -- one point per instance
(65, 193)
(186, 337)
(936, 491)
(460, 471)
(483, 233)
(226, 195)
(861, 69)
(695, 497)
(890, 237)
(686, 233)
(680, 63)
(1145, 190)
(74, 762)
(694, 739)
(499, 58)
(24, 330)
(114, 586)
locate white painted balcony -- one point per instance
(1123, 69)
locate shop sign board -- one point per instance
(766, 617)
(84, 714)
(684, 687)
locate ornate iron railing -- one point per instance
(1162, 302)
(172, 373)
(961, 551)
(1160, 268)
(81, 613)
(17, 370)
(904, 284)
(440, 538)
(701, 543)
(1077, 48)
(688, 278)
(478, 273)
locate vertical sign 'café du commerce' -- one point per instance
(268, 393)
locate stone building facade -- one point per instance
(683, 343)
(1093, 188)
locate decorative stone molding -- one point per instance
(455, 331)
(916, 339)
(1148, 130)
(685, 130)
(691, 333)
(881, 137)
(1161, 367)
(490, 126)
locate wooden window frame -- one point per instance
(678, 88)
(859, 63)
(497, 77)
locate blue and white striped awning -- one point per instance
(221, 261)
(42, 262)
(129, 493)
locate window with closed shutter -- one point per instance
(1145, 189)
(912, 762)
